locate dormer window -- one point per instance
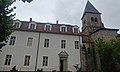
(75, 29)
(63, 28)
(48, 27)
(17, 24)
(32, 25)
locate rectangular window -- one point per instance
(46, 43)
(27, 60)
(76, 44)
(63, 43)
(12, 40)
(8, 59)
(47, 27)
(29, 41)
(63, 29)
(45, 60)
(32, 26)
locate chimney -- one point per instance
(57, 22)
(30, 19)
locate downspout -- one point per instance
(37, 52)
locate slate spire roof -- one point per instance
(90, 9)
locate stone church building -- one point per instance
(92, 29)
(35, 45)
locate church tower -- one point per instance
(91, 19)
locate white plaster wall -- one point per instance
(19, 51)
(55, 48)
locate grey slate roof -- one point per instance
(90, 8)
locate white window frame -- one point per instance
(45, 44)
(31, 24)
(63, 26)
(32, 41)
(29, 60)
(76, 46)
(63, 45)
(46, 60)
(74, 29)
(12, 40)
(9, 59)
(17, 21)
(45, 27)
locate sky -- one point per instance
(67, 11)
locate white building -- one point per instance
(44, 46)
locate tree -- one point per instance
(109, 54)
(6, 20)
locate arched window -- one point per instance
(92, 19)
(96, 20)
(32, 25)
(75, 29)
(17, 24)
(63, 28)
(48, 27)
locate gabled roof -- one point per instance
(90, 9)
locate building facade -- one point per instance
(92, 29)
(44, 46)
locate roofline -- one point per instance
(75, 34)
(104, 29)
(89, 12)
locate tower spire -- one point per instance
(89, 8)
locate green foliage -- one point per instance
(109, 53)
(6, 20)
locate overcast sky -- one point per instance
(67, 11)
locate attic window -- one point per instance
(17, 24)
(92, 19)
(48, 27)
(75, 29)
(63, 28)
(32, 25)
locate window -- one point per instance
(17, 24)
(32, 25)
(96, 20)
(75, 30)
(47, 27)
(92, 19)
(76, 44)
(29, 41)
(63, 28)
(12, 40)
(46, 43)
(8, 59)
(63, 43)
(27, 60)
(45, 60)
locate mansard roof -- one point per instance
(40, 28)
(90, 9)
